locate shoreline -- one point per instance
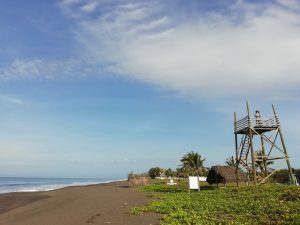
(42, 188)
(90, 204)
(12, 200)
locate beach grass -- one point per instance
(265, 204)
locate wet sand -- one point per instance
(86, 205)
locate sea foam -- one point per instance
(21, 184)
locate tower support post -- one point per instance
(293, 181)
(287, 159)
(236, 153)
(252, 157)
(251, 145)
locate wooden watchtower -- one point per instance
(259, 142)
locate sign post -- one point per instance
(194, 183)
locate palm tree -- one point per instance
(192, 163)
(260, 164)
(231, 161)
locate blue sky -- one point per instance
(101, 88)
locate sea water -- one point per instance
(21, 184)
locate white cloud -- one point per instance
(207, 55)
(11, 100)
(70, 2)
(247, 48)
(89, 7)
(39, 69)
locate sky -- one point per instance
(99, 88)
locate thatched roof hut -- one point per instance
(224, 174)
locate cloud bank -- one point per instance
(242, 48)
(248, 48)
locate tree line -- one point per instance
(192, 164)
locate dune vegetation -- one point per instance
(265, 204)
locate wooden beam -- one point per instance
(285, 151)
(251, 145)
(237, 162)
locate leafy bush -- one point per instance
(282, 176)
(170, 173)
(154, 172)
(138, 179)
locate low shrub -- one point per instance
(138, 179)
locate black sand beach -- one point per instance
(85, 205)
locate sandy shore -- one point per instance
(87, 205)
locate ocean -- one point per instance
(26, 184)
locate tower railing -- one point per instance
(253, 122)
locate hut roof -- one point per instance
(224, 174)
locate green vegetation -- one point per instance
(266, 204)
(259, 164)
(282, 176)
(170, 173)
(192, 163)
(154, 172)
(230, 161)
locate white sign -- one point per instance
(202, 178)
(194, 183)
